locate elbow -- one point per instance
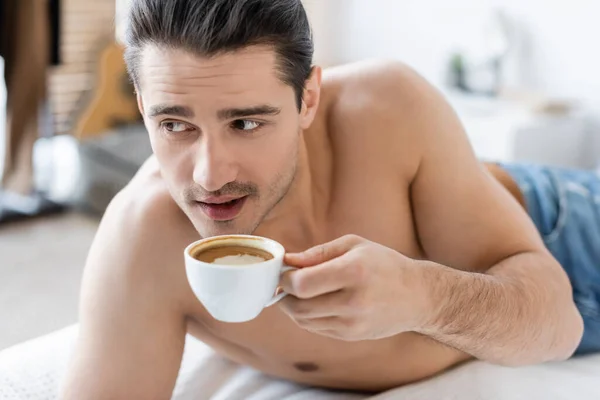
(569, 335)
(565, 322)
(568, 331)
(567, 325)
(567, 338)
(557, 340)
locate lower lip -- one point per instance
(223, 212)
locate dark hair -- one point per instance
(213, 27)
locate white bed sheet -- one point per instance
(34, 369)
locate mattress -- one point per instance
(33, 370)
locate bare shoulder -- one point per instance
(373, 77)
(384, 107)
(145, 212)
(134, 296)
(141, 239)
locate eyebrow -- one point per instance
(228, 113)
(175, 111)
(233, 113)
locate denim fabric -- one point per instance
(564, 204)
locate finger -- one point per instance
(324, 278)
(329, 305)
(321, 253)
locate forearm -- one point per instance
(513, 315)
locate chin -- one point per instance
(218, 228)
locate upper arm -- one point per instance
(132, 327)
(464, 218)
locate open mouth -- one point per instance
(225, 211)
(227, 203)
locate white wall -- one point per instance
(562, 56)
(328, 24)
(121, 7)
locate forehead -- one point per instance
(175, 75)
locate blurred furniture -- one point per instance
(108, 143)
(34, 370)
(107, 163)
(511, 131)
(85, 27)
(112, 101)
(113, 143)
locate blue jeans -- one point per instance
(564, 204)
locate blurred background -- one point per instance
(521, 75)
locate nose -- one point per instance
(215, 165)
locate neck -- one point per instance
(294, 220)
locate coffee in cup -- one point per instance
(232, 255)
(235, 276)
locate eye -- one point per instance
(175, 127)
(245, 125)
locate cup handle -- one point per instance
(281, 295)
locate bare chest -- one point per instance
(377, 209)
(274, 344)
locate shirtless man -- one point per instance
(423, 259)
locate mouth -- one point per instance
(222, 209)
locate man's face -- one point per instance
(225, 131)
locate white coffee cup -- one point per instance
(235, 293)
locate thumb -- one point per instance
(322, 253)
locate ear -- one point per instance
(311, 97)
(140, 102)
